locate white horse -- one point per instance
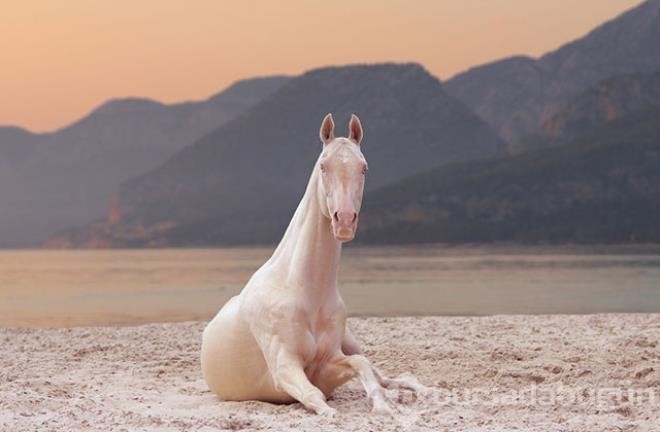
(284, 337)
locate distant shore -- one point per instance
(148, 377)
(580, 248)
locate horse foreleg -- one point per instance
(350, 346)
(290, 377)
(409, 382)
(375, 391)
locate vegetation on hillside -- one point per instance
(602, 187)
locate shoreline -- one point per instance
(501, 246)
(128, 322)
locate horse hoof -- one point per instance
(327, 412)
(381, 408)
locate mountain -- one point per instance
(126, 137)
(241, 183)
(516, 95)
(602, 187)
(608, 100)
(67, 177)
(16, 146)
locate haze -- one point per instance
(58, 60)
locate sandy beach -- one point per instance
(147, 378)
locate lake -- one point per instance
(40, 288)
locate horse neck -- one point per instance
(308, 252)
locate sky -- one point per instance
(61, 59)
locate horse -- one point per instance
(284, 337)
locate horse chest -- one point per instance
(323, 339)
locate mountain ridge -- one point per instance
(600, 187)
(70, 174)
(408, 117)
(517, 94)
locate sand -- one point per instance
(147, 378)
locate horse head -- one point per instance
(342, 168)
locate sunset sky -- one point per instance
(60, 59)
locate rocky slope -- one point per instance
(517, 95)
(610, 99)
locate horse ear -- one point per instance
(355, 129)
(327, 131)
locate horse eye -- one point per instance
(364, 170)
(322, 168)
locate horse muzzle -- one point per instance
(344, 225)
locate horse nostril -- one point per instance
(354, 217)
(335, 216)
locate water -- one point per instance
(63, 288)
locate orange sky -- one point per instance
(60, 59)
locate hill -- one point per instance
(16, 146)
(602, 187)
(241, 183)
(517, 95)
(608, 100)
(65, 178)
